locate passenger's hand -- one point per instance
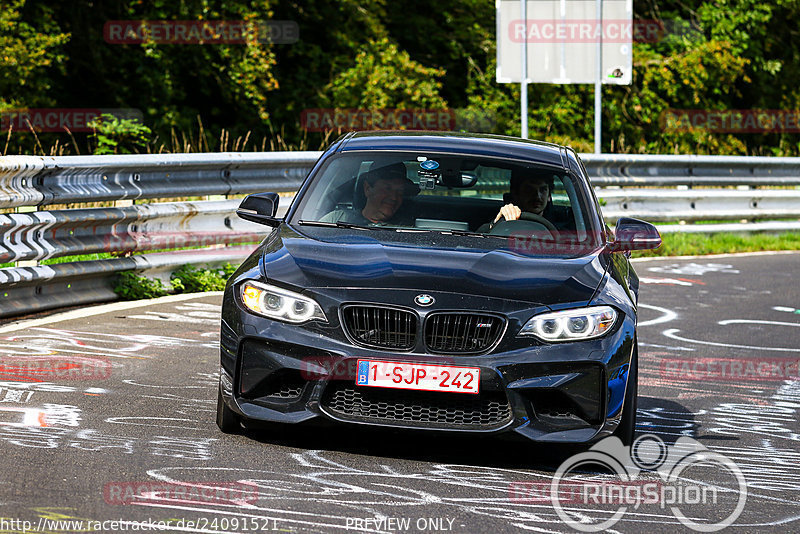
(509, 212)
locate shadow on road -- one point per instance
(484, 451)
(667, 419)
(670, 420)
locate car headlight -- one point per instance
(280, 304)
(571, 325)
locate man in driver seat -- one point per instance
(530, 194)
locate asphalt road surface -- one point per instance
(130, 443)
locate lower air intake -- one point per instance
(423, 409)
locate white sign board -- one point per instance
(562, 37)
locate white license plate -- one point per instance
(424, 377)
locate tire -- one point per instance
(228, 421)
(627, 426)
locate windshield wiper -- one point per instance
(465, 233)
(338, 224)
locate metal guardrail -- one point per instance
(660, 205)
(44, 181)
(33, 183)
(646, 170)
(51, 234)
(44, 287)
(31, 234)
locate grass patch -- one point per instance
(678, 244)
(187, 279)
(131, 286)
(191, 279)
(79, 257)
(67, 259)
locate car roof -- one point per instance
(456, 143)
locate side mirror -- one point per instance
(633, 234)
(260, 208)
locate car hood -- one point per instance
(363, 261)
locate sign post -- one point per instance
(598, 83)
(523, 84)
(565, 42)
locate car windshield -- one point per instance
(456, 194)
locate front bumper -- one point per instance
(566, 392)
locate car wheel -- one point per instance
(627, 427)
(227, 420)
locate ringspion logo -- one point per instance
(648, 473)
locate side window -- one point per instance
(560, 196)
(579, 221)
(492, 182)
(336, 186)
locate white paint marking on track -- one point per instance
(755, 321)
(671, 333)
(669, 347)
(103, 308)
(668, 281)
(711, 256)
(171, 386)
(148, 421)
(695, 269)
(669, 315)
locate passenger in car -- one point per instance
(378, 199)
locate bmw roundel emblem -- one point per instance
(424, 300)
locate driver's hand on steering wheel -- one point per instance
(509, 212)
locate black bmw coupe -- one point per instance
(439, 281)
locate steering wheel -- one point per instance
(528, 216)
(527, 224)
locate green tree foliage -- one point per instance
(225, 84)
(29, 54)
(114, 135)
(384, 76)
